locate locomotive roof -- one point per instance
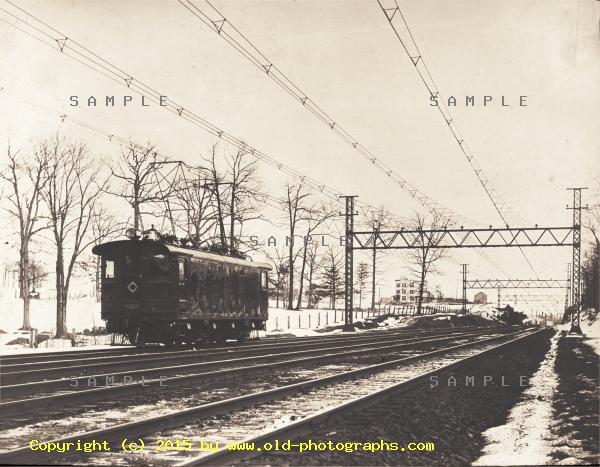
(162, 248)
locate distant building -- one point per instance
(407, 291)
(480, 298)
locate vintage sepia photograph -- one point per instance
(299, 232)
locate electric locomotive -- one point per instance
(153, 291)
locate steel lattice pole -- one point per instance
(499, 298)
(464, 297)
(576, 264)
(568, 291)
(349, 267)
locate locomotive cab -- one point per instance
(161, 293)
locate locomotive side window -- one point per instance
(181, 269)
(108, 269)
(156, 267)
(182, 273)
(264, 280)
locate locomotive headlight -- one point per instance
(130, 233)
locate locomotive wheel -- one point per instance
(202, 341)
(243, 335)
(168, 342)
(220, 339)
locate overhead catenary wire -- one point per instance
(393, 14)
(63, 43)
(209, 15)
(121, 141)
(98, 132)
(68, 46)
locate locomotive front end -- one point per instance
(139, 287)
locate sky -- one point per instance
(344, 56)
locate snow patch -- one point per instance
(591, 328)
(82, 313)
(525, 438)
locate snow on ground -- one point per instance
(305, 322)
(82, 313)
(527, 434)
(525, 438)
(486, 310)
(306, 319)
(11, 350)
(591, 328)
(395, 322)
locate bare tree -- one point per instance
(591, 265)
(103, 226)
(362, 276)
(375, 220)
(196, 201)
(71, 194)
(217, 184)
(425, 254)
(297, 210)
(139, 170)
(37, 274)
(593, 222)
(243, 193)
(332, 275)
(235, 195)
(281, 270)
(315, 217)
(27, 180)
(313, 262)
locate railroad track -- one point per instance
(296, 428)
(331, 388)
(75, 365)
(39, 358)
(68, 358)
(253, 367)
(19, 374)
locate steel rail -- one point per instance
(44, 357)
(225, 456)
(160, 371)
(28, 404)
(157, 356)
(80, 369)
(141, 427)
(198, 365)
(40, 357)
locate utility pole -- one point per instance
(499, 298)
(568, 289)
(464, 294)
(576, 264)
(348, 263)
